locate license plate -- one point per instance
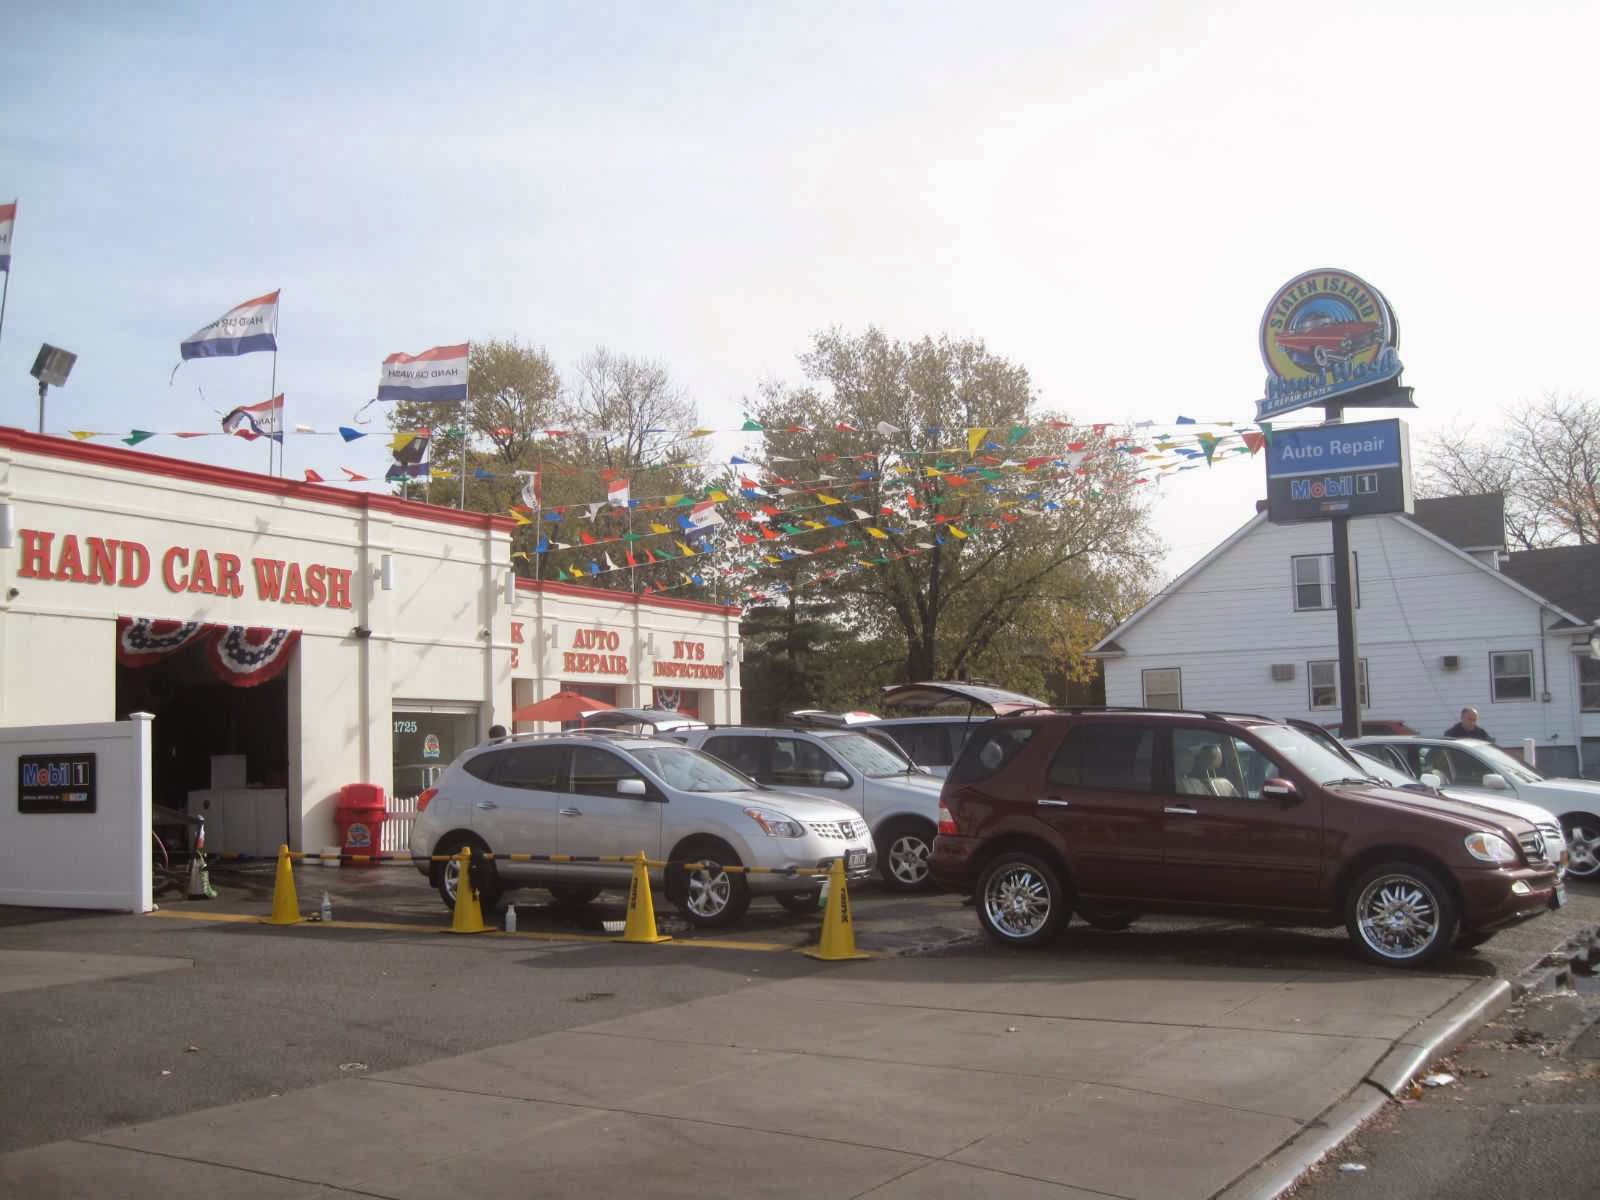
(1561, 895)
(854, 860)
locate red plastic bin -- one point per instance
(360, 821)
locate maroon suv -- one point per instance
(1117, 812)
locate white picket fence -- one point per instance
(399, 816)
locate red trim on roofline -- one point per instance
(556, 588)
(247, 481)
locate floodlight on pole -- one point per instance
(52, 366)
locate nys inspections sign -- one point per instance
(1355, 470)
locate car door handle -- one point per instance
(1054, 802)
(487, 804)
(1181, 810)
(572, 812)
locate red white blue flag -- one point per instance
(251, 421)
(434, 376)
(8, 221)
(251, 326)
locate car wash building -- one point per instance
(291, 638)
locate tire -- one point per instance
(801, 903)
(904, 846)
(1400, 915)
(574, 896)
(1583, 845)
(444, 875)
(1470, 941)
(1021, 900)
(708, 899)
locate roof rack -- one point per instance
(561, 733)
(1209, 714)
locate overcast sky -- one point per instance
(1107, 193)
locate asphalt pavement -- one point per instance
(381, 1056)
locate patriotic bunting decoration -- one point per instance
(435, 376)
(251, 326)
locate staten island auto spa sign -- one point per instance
(66, 558)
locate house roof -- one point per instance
(1470, 522)
(1567, 576)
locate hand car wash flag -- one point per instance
(434, 376)
(263, 420)
(251, 326)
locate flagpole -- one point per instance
(463, 419)
(272, 392)
(538, 508)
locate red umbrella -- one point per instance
(563, 706)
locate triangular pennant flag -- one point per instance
(313, 477)
(975, 439)
(355, 476)
(1254, 441)
(83, 435)
(1208, 443)
(136, 436)
(750, 426)
(349, 434)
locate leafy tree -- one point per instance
(1544, 458)
(975, 563)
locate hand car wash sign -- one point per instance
(1329, 337)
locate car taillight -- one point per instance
(425, 798)
(947, 823)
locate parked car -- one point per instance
(1393, 772)
(611, 794)
(1116, 813)
(646, 722)
(1475, 766)
(899, 802)
(1373, 727)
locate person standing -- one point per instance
(1468, 727)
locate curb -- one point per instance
(1579, 954)
(1437, 1035)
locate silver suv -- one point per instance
(898, 799)
(608, 794)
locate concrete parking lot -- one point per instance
(380, 1057)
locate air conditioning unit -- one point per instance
(1282, 672)
(1451, 662)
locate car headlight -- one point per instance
(1490, 847)
(775, 824)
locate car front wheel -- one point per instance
(1399, 915)
(1020, 900)
(1583, 845)
(709, 897)
(903, 850)
(447, 875)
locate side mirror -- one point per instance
(1496, 782)
(631, 787)
(1280, 789)
(837, 779)
(1432, 779)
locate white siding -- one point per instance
(1233, 618)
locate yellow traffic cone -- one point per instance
(838, 934)
(468, 916)
(641, 924)
(285, 904)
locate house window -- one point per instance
(1323, 677)
(1313, 581)
(1163, 688)
(1589, 684)
(1511, 675)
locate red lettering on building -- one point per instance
(339, 587)
(103, 560)
(596, 639)
(35, 554)
(69, 564)
(575, 662)
(175, 556)
(516, 633)
(228, 576)
(200, 579)
(269, 577)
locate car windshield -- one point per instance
(689, 770)
(1309, 756)
(1505, 765)
(1376, 766)
(872, 759)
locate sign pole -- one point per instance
(1345, 610)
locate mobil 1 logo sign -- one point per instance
(1356, 470)
(55, 783)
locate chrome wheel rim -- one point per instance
(1017, 901)
(1398, 917)
(1583, 850)
(451, 878)
(908, 858)
(709, 892)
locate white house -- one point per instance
(1445, 619)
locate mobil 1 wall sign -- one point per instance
(1325, 471)
(55, 783)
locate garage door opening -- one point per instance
(220, 739)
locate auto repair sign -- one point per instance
(1326, 334)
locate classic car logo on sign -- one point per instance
(1325, 334)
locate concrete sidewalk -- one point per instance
(983, 1074)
